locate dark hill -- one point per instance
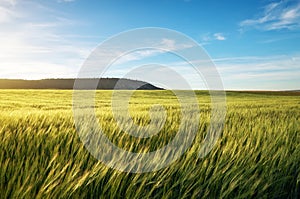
(104, 83)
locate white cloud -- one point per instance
(215, 36)
(279, 72)
(273, 72)
(275, 16)
(35, 70)
(168, 43)
(9, 2)
(8, 11)
(219, 36)
(137, 55)
(245, 73)
(164, 46)
(33, 47)
(5, 15)
(67, 1)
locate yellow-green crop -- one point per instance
(257, 155)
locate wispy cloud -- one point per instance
(10, 2)
(67, 1)
(271, 72)
(32, 48)
(211, 37)
(239, 73)
(8, 11)
(219, 36)
(276, 16)
(164, 46)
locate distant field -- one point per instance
(257, 156)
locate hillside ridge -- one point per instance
(82, 83)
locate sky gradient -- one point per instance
(254, 44)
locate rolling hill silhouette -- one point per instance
(103, 83)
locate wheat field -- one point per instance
(257, 155)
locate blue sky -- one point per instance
(254, 44)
